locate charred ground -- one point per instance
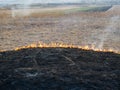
(59, 69)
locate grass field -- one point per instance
(79, 27)
(89, 9)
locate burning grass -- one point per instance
(81, 29)
(59, 65)
(62, 45)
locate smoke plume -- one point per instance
(23, 11)
(108, 32)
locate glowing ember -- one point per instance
(62, 45)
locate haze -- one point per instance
(56, 1)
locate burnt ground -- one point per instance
(59, 69)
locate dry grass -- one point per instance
(83, 28)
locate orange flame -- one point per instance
(62, 45)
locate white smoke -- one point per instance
(25, 11)
(27, 6)
(108, 31)
(13, 12)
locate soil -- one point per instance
(59, 69)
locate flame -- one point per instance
(62, 45)
(44, 45)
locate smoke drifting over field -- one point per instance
(24, 12)
(91, 30)
(70, 51)
(109, 31)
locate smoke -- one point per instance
(13, 12)
(25, 11)
(26, 6)
(108, 32)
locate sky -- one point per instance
(37, 1)
(48, 1)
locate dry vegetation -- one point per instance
(80, 28)
(59, 63)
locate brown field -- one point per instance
(101, 29)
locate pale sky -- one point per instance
(48, 1)
(38, 1)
